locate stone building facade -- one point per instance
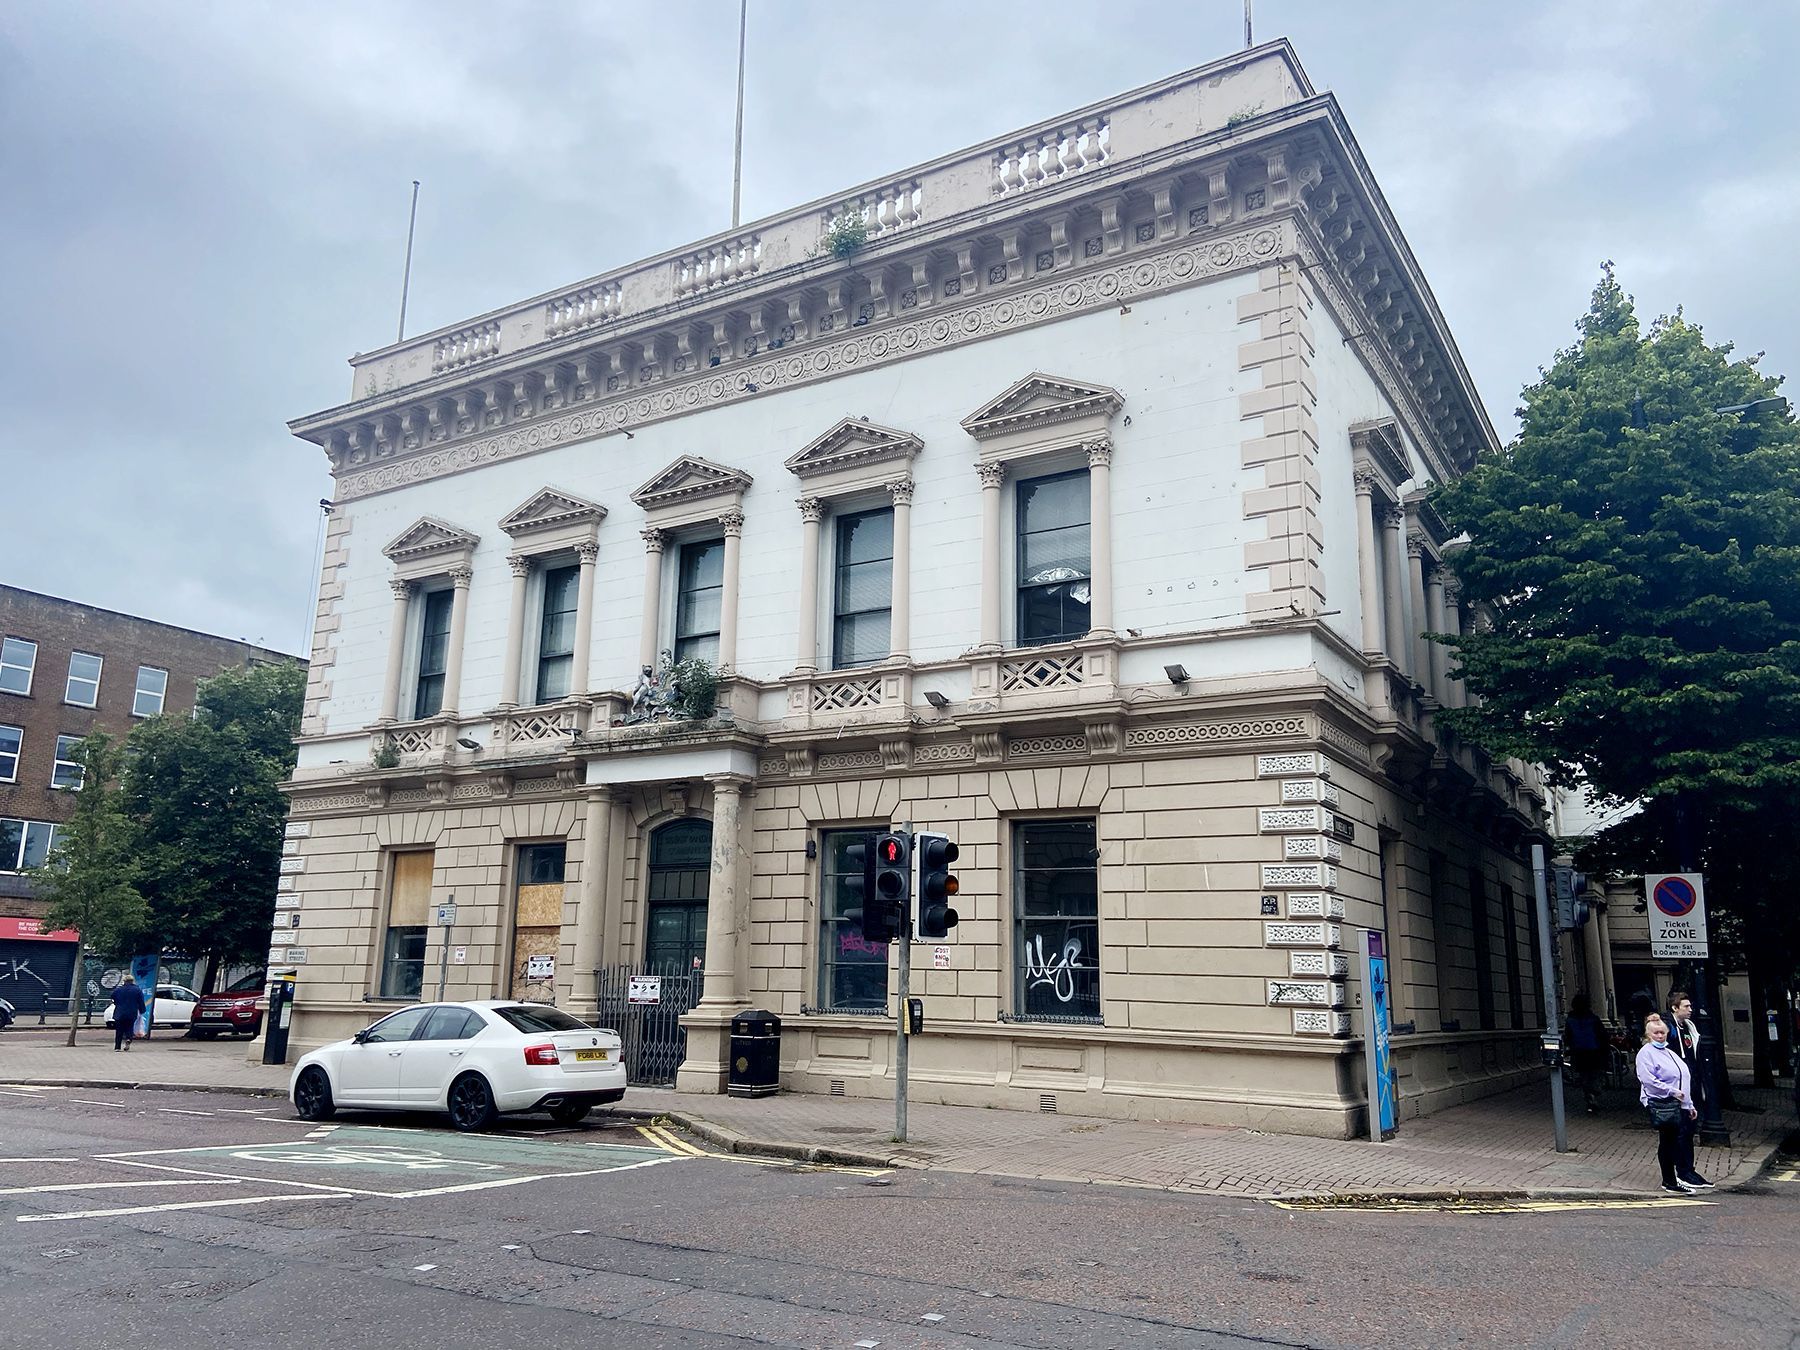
(1078, 514)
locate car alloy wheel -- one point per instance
(312, 1095)
(471, 1103)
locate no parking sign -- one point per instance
(1677, 912)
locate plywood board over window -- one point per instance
(537, 921)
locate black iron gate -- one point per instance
(653, 1042)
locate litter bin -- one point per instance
(755, 1054)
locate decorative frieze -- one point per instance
(1318, 1022)
(1289, 934)
(1027, 746)
(1325, 965)
(1314, 905)
(1309, 790)
(1312, 846)
(1295, 819)
(1206, 733)
(1306, 993)
(1290, 876)
(1295, 764)
(850, 759)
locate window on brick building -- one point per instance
(556, 633)
(862, 593)
(67, 772)
(853, 973)
(83, 688)
(25, 843)
(1056, 921)
(12, 740)
(1055, 588)
(152, 685)
(434, 652)
(699, 602)
(408, 917)
(18, 658)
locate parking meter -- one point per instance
(281, 1014)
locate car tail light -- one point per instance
(542, 1054)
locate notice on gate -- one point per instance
(1677, 913)
(644, 989)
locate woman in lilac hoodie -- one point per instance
(1663, 1074)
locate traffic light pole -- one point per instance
(1552, 1014)
(901, 1046)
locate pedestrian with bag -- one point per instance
(127, 1006)
(1666, 1089)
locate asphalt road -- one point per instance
(199, 1220)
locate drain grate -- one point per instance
(1047, 1102)
(837, 1087)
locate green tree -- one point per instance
(205, 794)
(90, 878)
(1638, 554)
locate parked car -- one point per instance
(231, 1010)
(7, 1013)
(474, 1060)
(172, 1007)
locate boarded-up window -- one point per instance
(409, 913)
(537, 921)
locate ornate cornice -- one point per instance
(1041, 400)
(854, 442)
(427, 537)
(691, 479)
(549, 508)
(1376, 444)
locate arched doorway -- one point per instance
(680, 865)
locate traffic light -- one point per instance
(856, 891)
(1572, 905)
(937, 885)
(893, 888)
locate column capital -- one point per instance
(653, 538)
(992, 473)
(520, 564)
(732, 522)
(901, 491)
(731, 784)
(812, 509)
(1365, 479)
(460, 577)
(587, 553)
(1394, 517)
(1415, 545)
(402, 589)
(1452, 592)
(1099, 452)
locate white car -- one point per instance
(172, 1007)
(474, 1060)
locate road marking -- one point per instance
(522, 1181)
(1786, 1174)
(25, 1160)
(30, 1087)
(350, 1155)
(177, 1111)
(232, 1176)
(164, 1209)
(104, 1186)
(661, 1137)
(1482, 1206)
(240, 1111)
(89, 1101)
(427, 1266)
(666, 1141)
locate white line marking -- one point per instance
(425, 1267)
(31, 1087)
(163, 1209)
(240, 1111)
(522, 1181)
(89, 1101)
(232, 1176)
(177, 1111)
(103, 1186)
(25, 1160)
(198, 1148)
(28, 1096)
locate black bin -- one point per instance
(755, 1054)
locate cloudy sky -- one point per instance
(203, 204)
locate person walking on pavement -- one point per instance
(1665, 1087)
(127, 1007)
(1587, 1049)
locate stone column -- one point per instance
(812, 510)
(1434, 620)
(1454, 694)
(587, 555)
(515, 631)
(654, 540)
(725, 899)
(1415, 620)
(1394, 615)
(459, 625)
(732, 522)
(992, 475)
(390, 693)
(590, 908)
(900, 598)
(1368, 561)
(1100, 571)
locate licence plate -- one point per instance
(586, 1056)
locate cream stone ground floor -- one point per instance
(1154, 925)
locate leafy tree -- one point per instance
(1639, 554)
(205, 795)
(89, 880)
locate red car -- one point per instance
(230, 1010)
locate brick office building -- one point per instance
(1079, 513)
(67, 669)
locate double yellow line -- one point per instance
(669, 1142)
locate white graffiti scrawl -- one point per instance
(1056, 972)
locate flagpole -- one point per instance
(406, 277)
(737, 152)
(1248, 40)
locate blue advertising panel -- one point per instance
(143, 975)
(1381, 1046)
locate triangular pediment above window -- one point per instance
(854, 442)
(1041, 400)
(427, 536)
(550, 508)
(691, 479)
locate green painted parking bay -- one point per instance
(373, 1159)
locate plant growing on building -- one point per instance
(91, 878)
(384, 755)
(845, 235)
(696, 689)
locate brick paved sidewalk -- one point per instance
(1498, 1144)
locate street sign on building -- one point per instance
(1677, 913)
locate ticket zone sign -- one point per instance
(1677, 912)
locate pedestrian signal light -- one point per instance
(937, 884)
(886, 904)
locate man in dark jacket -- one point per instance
(1684, 1040)
(127, 1007)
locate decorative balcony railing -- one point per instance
(718, 265)
(1052, 155)
(466, 347)
(586, 308)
